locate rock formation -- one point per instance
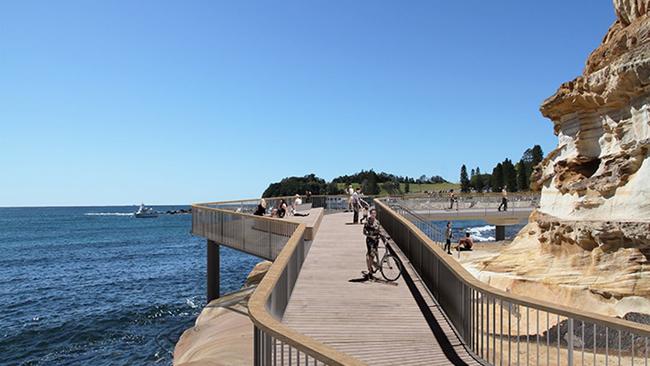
(592, 229)
(223, 332)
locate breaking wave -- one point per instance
(482, 233)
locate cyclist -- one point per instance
(372, 231)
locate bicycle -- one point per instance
(389, 266)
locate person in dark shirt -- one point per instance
(448, 236)
(261, 208)
(282, 208)
(372, 231)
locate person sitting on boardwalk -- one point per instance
(465, 243)
(261, 208)
(282, 208)
(504, 199)
(372, 231)
(296, 204)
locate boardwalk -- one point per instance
(378, 323)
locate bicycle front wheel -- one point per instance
(391, 268)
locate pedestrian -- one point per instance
(448, 236)
(356, 206)
(282, 208)
(452, 198)
(261, 208)
(350, 193)
(504, 200)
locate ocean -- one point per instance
(479, 230)
(94, 285)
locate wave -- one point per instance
(480, 233)
(108, 214)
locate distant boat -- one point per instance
(145, 212)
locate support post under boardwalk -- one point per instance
(500, 233)
(213, 270)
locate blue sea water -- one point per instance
(479, 230)
(94, 285)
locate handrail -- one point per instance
(469, 279)
(274, 342)
(467, 301)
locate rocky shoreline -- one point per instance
(223, 332)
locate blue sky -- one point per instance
(122, 102)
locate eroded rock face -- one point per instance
(600, 169)
(595, 203)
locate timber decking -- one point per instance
(376, 322)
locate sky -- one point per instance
(122, 102)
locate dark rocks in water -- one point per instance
(181, 211)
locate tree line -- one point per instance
(371, 183)
(514, 177)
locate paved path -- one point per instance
(379, 323)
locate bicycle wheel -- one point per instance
(391, 268)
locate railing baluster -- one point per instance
(527, 335)
(548, 338)
(558, 339)
(537, 331)
(518, 333)
(583, 344)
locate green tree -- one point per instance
(296, 185)
(333, 189)
(370, 186)
(464, 180)
(509, 175)
(537, 155)
(497, 178)
(391, 187)
(522, 175)
(407, 186)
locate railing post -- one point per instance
(569, 342)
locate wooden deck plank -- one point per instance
(379, 323)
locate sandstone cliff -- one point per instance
(223, 333)
(592, 229)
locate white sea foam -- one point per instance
(108, 214)
(479, 233)
(190, 302)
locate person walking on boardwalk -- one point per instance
(448, 236)
(504, 200)
(356, 206)
(372, 231)
(452, 198)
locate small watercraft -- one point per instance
(145, 212)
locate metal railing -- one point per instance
(483, 205)
(504, 328)
(261, 236)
